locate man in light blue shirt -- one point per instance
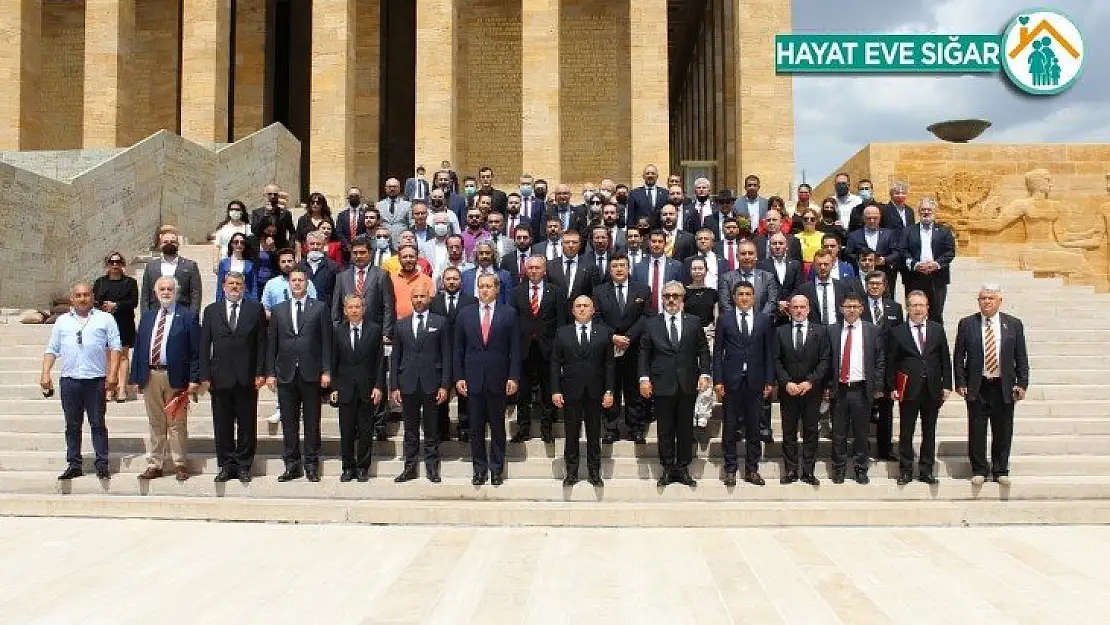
(87, 340)
(277, 289)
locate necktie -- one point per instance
(824, 298)
(354, 337)
(732, 255)
(450, 305)
(535, 301)
(877, 313)
(487, 318)
(392, 205)
(620, 297)
(512, 224)
(582, 337)
(521, 272)
(921, 338)
(360, 283)
(799, 340)
(674, 331)
(744, 324)
(846, 357)
(159, 336)
(297, 320)
(991, 352)
(655, 283)
(234, 315)
(567, 272)
(420, 327)
(354, 222)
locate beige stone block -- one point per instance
(250, 66)
(649, 91)
(204, 64)
(540, 89)
(154, 67)
(435, 92)
(109, 49)
(20, 70)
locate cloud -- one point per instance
(1084, 122)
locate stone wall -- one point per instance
(62, 74)
(61, 229)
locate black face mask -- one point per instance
(541, 193)
(169, 249)
(354, 201)
(437, 203)
(622, 198)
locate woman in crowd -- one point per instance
(776, 202)
(240, 258)
(701, 300)
(118, 293)
(334, 249)
(318, 212)
(265, 261)
(829, 223)
(810, 238)
(234, 223)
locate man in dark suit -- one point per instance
(298, 362)
(350, 223)
(320, 269)
(582, 380)
(825, 295)
(885, 314)
(622, 305)
(550, 246)
(274, 216)
(540, 309)
(991, 367)
(928, 249)
(166, 363)
(897, 214)
(657, 270)
(485, 182)
(357, 380)
(674, 367)
(787, 273)
(752, 205)
(447, 304)
(375, 285)
(858, 376)
(487, 370)
(416, 188)
(840, 269)
(773, 226)
(764, 283)
(743, 377)
(886, 244)
(802, 355)
(600, 252)
(919, 374)
(513, 218)
(571, 274)
(421, 363)
(570, 217)
(169, 264)
(723, 203)
(513, 262)
(485, 258)
(680, 244)
(647, 200)
(233, 368)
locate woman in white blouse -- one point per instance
(234, 223)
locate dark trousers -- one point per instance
(585, 410)
(420, 410)
(884, 428)
(928, 408)
(356, 432)
(765, 428)
(235, 426)
(743, 412)
(851, 414)
(484, 409)
(535, 370)
(936, 293)
(799, 412)
(380, 413)
(80, 398)
(444, 411)
(675, 414)
(298, 399)
(626, 394)
(990, 407)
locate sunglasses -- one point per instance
(595, 203)
(385, 236)
(672, 296)
(116, 261)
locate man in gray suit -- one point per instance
(371, 283)
(766, 286)
(169, 264)
(395, 211)
(752, 205)
(416, 188)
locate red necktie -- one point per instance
(731, 255)
(360, 284)
(354, 222)
(920, 339)
(486, 319)
(535, 300)
(512, 226)
(846, 357)
(520, 272)
(655, 284)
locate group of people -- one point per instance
(637, 305)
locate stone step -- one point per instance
(946, 446)
(551, 466)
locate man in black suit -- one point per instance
(600, 252)
(233, 368)
(298, 361)
(487, 370)
(273, 215)
(801, 364)
(919, 374)
(447, 304)
(647, 200)
(825, 295)
(723, 204)
(540, 309)
(680, 244)
(885, 314)
(744, 372)
(570, 217)
(358, 377)
(897, 214)
(773, 226)
(371, 283)
(622, 305)
(674, 367)
(991, 367)
(858, 376)
(656, 270)
(787, 273)
(928, 249)
(349, 223)
(421, 366)
(582, 379)
(513, 262)
(570, 274)
(485, 181)
(320, 269)
(169, 263)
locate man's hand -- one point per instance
(441, 396)
(645, 389)
(45, 383)
(804, 387)
(1019, 393)
(768, 390)
(557, 399)
(894, 396)
(108, 307)
(607, 400)
(376, 396)
(719, 389)
(621, 341)
(510, 387)
(325, 380)
(394, 396)
(962, 390)
(259, 382)
(460, 387)
(271, 383)
(793, 389)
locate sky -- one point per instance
(836, 115)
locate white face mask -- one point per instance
(441, 230)
(235, 214)
(315, 256)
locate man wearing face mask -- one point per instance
(845, 199)
(171, 265)
(320, 269)
(867, 198)
(620, 196)
(350, 221)
(416, 188)
(469, 193)
(435, 249)
(438, 205)
(273, 213)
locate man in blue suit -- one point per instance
(485, 256)
(743, 376)
(841, 270)
(166, 363)
(657, 270)
(928, 249)
(886, 243)
(647, 200)
(487, 371)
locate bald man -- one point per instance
(395, 210)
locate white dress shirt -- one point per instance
(748, 317)
(293, 310)
(872, 238)
(667, 317)
(650, 260)
(752, 207)
(355, 326)
(926, 243)
(794, 330)
(712, 268)
(571, 274)
(578, 331)
(920, 341)
(169, 266)
(855, 372)
(830, 301)
(170, 313)
(996, 328)
(844, 208)
(780, 268)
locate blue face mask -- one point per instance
(865, 195)
(471, 191)
(381, 244)
(526, 190)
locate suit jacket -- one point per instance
(585, 277)
(888, 245)
(396, 220)
(500, 199)
(486, 367)
(741, 209)
(412, 184)
(968, 355)
(809, 364)
(521, 220)
(182, 341)
(538, 331)
(438, 305)
(324, 277)
(285, 232)
(684, 246)
(310, 351)
(250, 278)
(944, 250)
(672, 270)
(578, 371)
(510, 263)
(591, 258)
(891, 219)
(793, 247)
(839, 289)
(732, 352)
(874, 355)
(188, 281)
(539, 248)
(424, 363)
(672, 369)
(891, 316)
(356, 370)
(640, 205)
(504, 295)
(846, 271)
(343, 224)
(630, 321)
(766, 291)
(928, 372)
(377, 297)
(230, 358)
(713, 222)
(791, 279)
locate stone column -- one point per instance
(109, 85)
(647, 21)
(331, 111)
(21, 32)
(250, 67)
(205, 43)
(435, 90)
(540, 88)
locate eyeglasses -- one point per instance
(595, 203)
(672, 296)
(116, 261)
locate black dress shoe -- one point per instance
(362, 475)
(811, 479)
(521, 436)
(478, 479)
(433, 475)
(729, 479)
(347, 475)
(312, 473)
(928, 479)
(685, 479)
(224, 475)
(571, 479)
(103, 474)
(767, 436)
(887, 457)
(838, 477)
(71, 473)
(595, 479)
(904, 479)
(788, 478)
(753, 477)
(861, 477)
(639, 438)
(497, 479)
(291, 473)
(663, 480)
(407, 475)
(244, 475)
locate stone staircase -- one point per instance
(1060, 464)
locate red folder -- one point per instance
(900, 382)
(175, 409)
